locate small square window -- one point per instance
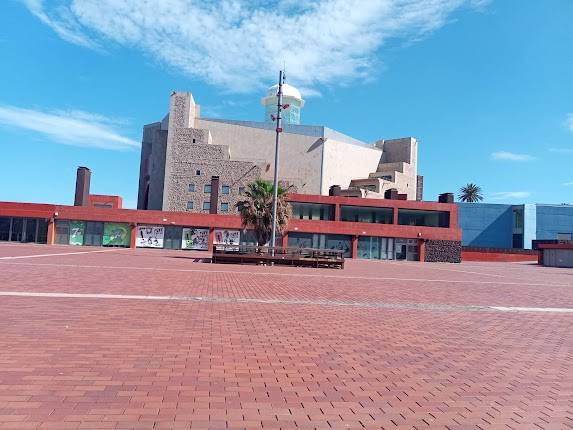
(191, 188)
(241, 190)
(224, 207)
(225, 189)
(198, 172)
(207, 188)
(194, 141)
(189, 205)
(206, 206)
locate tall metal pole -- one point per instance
(276, 179)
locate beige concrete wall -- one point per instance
(343, 162)
(300, 156)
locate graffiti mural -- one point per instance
(149, 236)
(195, 238)
(116, 234)
(227, 237)
(77, 229)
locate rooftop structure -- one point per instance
(182, 153)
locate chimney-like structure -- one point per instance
(446, 198)
(83, 177)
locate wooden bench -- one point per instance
(303, 257)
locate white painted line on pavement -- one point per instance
(59, 253)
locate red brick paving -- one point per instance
(76, 363)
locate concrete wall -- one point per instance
(152, 167)
(343, 162)
(300, 157)
(553, 219)
(486, 225)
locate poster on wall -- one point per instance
(115, 234)
(149, 236)
(195, 238)
(77, 229)
(227, 237)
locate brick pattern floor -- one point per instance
(86, 363)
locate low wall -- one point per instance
(443, 251)
(500, 255)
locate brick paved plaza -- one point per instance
(96, 338)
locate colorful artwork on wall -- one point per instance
(115, 234)
(150, 236)
(227, 237)
(195, 238)
(77, 230)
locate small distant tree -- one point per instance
(470, 193)
(256, 209)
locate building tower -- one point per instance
(291, 96)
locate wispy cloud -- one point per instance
(561, 150)
(568, 184)
(239, 45)
(77, 128)
(505, 195)
(511, 156)
(569, 122)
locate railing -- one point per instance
(244, 254)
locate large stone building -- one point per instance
(189, 163)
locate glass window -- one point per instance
(224, 207)
(312, 211)
(5, 228)
(191, 188)
(189, 205)
(225, 189)
(206, 206)
(423, 218)
(241, 190)
(198, 172)
(366, 214)
(518, 218)
(207, 188)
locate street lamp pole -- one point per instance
(277, 143)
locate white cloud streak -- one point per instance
(76, 128)
(569, 122)
(505, 195)
(510, 156)
(561, 150)
(568, 184)
(239, 45)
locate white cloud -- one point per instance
(68, 127)
(504, 195)
(562, 150)
(568, 184)
(569, 121)
(239, 45)
(511, 156)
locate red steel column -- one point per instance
(211, 238)
(395, 216)
(133, 235)
(354, 246)
(285, 240)
(422, 250)
(51, 231)
(337, 212)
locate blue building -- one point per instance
(513, 226)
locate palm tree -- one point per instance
(257, 209)
(470, 193)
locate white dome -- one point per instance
(288, 91)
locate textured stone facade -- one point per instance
(444, 251)
(312, 158)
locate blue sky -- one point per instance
(486, 86)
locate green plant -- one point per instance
(470, 193)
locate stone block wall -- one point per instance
(443, 251)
